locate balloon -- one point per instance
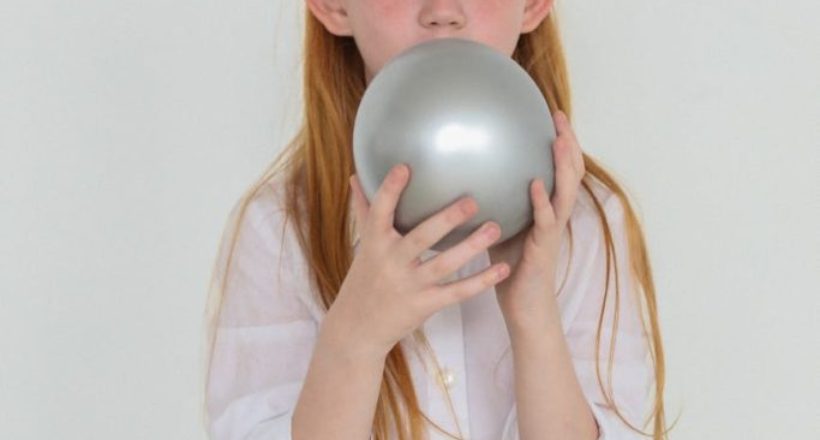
(467, 120)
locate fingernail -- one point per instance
(502, 271)
(400, 171)
(489, 229)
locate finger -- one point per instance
(563, 126)
(564, 129)
(447, 262)
(383, 206)
(360, 203)
(432, 229)
(443, 295)
(541, 206)
(566, 180)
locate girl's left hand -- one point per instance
(532, 253)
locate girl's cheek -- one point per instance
(386, 9)
(488, 8)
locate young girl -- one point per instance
(325, 323)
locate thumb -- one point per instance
(360, 204)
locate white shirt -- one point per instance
(269, 321)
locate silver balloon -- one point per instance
(467, 120)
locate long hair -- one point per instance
(318, 163)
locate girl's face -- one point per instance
(384, 28)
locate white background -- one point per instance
(129, 128)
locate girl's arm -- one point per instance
(338, 398)
(549, 399)
(555, 361)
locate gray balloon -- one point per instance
(467, 120)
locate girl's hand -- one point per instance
(388, 292)
(533, 252)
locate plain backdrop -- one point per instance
(129, 128)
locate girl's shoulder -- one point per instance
(270, 271)
(268, 199)
(265, 212)
(269, 216)
(585, 211)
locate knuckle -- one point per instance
(458, 292)
(417, 240)
(440, 266)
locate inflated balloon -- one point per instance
(467, 120)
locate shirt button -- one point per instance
(447, 377)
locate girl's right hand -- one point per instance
(388, 291)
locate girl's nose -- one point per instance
(441, 14)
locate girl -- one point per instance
(325, 323)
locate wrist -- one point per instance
(336, 337)
(536, 320)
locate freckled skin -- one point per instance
(383, 28)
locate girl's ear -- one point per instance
(535, 12)
(333, 16)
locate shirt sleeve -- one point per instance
(265, 331)
(632, 375)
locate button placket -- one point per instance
(447, 377)
(446, 338)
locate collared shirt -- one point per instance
(270, 317)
